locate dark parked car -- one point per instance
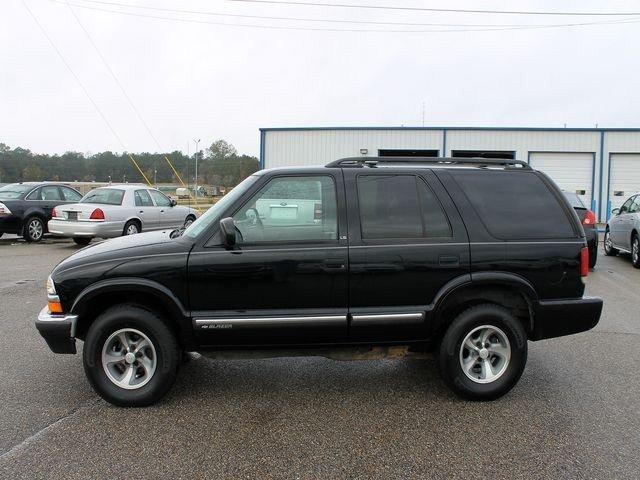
(25, 208)
(588, 220)
(362, 258)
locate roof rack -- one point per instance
(478, 162)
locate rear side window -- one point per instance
(515, 205)
(142, 198)
(70, 195)
(399, 206)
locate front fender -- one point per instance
(163, 300)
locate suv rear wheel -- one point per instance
(130, 356)
(483, 352)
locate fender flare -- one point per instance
(497, 278)
(167, 300)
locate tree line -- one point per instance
(219, 165)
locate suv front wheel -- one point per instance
(130, 356)
(483, 352)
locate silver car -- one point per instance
(117, 210)
(622, 232)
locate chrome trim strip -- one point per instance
(273, 321)
(382, 318)
(45, 316)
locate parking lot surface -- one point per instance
(574, 414)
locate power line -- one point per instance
(321, 29)
(441, 10)
(84, 89)
(302, 19)
(122, 89)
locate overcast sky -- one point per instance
(200, 80)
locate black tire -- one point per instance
(635, 251)
(450, 352)
(609, 251)
(167, 355)
(130, 225)
(189, 220)
(83, 241)
(593, 257)
(33, 229)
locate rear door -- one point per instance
(46, 198)
(146, 210)
(406, 241)
(621, 224)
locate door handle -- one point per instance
(141, 211)
(161, 211)
(449, 260)
(331, 264)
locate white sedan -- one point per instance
(117, 210)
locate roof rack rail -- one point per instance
(478, 162)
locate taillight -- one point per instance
(584, 262)
(4, 210)
(317, 211)
(97, 214)
(54, 214)
(589, 218)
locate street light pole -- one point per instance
(196, 187)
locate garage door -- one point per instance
(624, 178)
(571, 171)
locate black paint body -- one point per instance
(22, 209)
(348, 291)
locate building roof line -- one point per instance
(512, 129)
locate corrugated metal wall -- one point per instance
(310, 146)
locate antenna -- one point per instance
(423, 109)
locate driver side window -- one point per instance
(290, 209)
(626, 206)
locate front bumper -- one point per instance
(58, 331)
(66, 228)
(556, 318)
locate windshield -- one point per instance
(13, 190)
(212, 215)
(104, 196)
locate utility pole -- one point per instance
(197, 142)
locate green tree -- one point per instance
(32, 173)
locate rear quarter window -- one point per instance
(515, 205)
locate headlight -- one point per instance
(51, 288)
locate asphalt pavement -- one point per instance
(574, 414)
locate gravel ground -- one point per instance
(574, 414)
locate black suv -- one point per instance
(358, 259)
(25, 208)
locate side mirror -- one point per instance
(228, 229)
(615, 211)
(174, 202)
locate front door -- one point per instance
(406, 241)
(286, 281)
(621, 225)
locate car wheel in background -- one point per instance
(189, 220)
(635, 251)
(83, 241)
(483, 352)
(130, 356)
(608, 245)
(33, 229)
(131, 228)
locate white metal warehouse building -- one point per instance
(602, 165)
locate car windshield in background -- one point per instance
(574, 200)
(104, 196)
(13, 190)
(212, 215)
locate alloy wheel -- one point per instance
(132, 229)
(484, 354)
(129, 358)
(35, 229)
